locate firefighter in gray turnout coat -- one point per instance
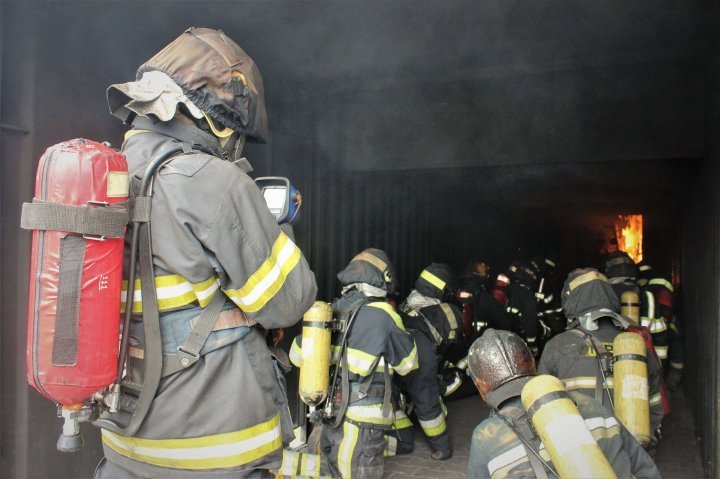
(580, 356)
(214, 240)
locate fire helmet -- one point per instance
(372, 266)
(588, 295)
(522, 273)
(498, 360)
(437, 281)
(218, 77)
(620, 265)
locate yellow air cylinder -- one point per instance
(315, 354)
(630, 373)
(630, 306)
(562, 429)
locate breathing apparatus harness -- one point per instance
(604, 365)
(519, 422)
(340, 395)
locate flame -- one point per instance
(629, 231)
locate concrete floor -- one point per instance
(677, 455)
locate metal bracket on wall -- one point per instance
(14, 129)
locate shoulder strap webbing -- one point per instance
(601, 384)
(520, 425)
(189, 352)
(344, 378)
(436, 337)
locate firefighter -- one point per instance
(372, 347)
(580, 356)
(522, 304)
(663, 291)
(623, 274)
(500, 364)
(486, 311)
(214, 241)
(551, 321)
(434, 324)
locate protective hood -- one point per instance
(589, 321)
(416, 301)
(372, 267)
(436, 281)
(218, 77)
(585, 291)
(154, 94)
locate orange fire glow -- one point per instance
(629, 231)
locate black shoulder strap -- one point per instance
(345, 379)
(601, 384)
(519, 422)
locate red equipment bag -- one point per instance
(78, 217)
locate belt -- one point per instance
(228, 319)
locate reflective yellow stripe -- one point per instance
(295, 353)
(173, 291)
(347, 446)
(370, 414)
(655, 399)
(586, 278)
(400, 420)
(209, 452)
(676, 365)
(387, 307)
(434, 427)
(450, 315)
(289, 464)
(432, 279)
(662, 351)
(409, 363)
(264, 283)
(372, 259)
(131, 133)
(661, 282)
(360, 362)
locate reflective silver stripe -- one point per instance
(391, 445)
(651, 304)
(506, 458)
(434, 427)
(347, 446)
(360, 362)
(409, 363)
(596, 422)
(662, 351)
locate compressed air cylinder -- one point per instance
(630, 306)
(315, 355)
(630, 373)
(562, 429)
